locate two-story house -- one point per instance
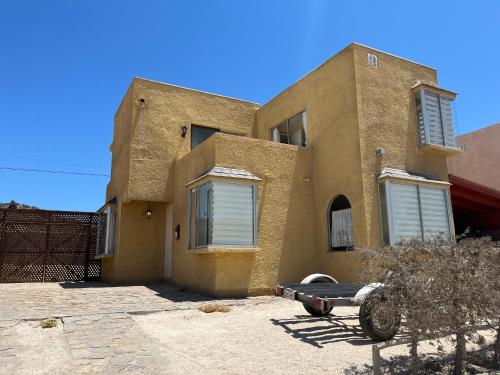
(229, 197)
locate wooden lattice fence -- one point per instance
(40, 245)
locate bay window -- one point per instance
(435, 120)
(223, 214)
(413, 211)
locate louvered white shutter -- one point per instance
(405, 213)
(447, 120)
(233, 214)
(434, 208)
(433, 118)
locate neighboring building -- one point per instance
(228, 197)
(475, 178)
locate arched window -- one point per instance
(340, 224)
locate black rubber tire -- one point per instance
(311, 310)
(370, 327)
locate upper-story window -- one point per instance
(200, 133)
(292, 131)
(435, 117)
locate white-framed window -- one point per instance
(223, 214)
(106, 231)
(413, 211)
(292, 131)
(435, 119)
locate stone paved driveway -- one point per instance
(96, 333)
(158, 329)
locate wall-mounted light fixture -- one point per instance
(380, 151)
(142, 101)
(177, 231)
(148, 212)
(184, 130)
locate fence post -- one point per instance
(376, 360)
(3, 219)
(46, 248)
(87, 248)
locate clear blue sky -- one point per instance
(65, 65)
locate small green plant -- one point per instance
(48, 323)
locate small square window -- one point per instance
(372, 60)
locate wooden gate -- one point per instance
(40, 246)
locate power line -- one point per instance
(54, 172)
(15, 158)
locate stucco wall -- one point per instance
(387, 119)
(480, 161)
(140, 244)
(329, 97)
(352, 109)
(287, 247)
(150, 132)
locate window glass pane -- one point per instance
(406, 223)
(200, 133)
(434, 207)
(383, 214)
(233, 213)
(420, 117)
(202, 216)
(101, 232)
(447, 118)
(297, 130)
(282, 132)
(342, 228)
(110, 246)
(106, 231)
(433, 118)
(276, 135)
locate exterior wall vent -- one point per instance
(372, 60)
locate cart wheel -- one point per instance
(315, 279)
(378, 320)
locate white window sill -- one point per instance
(103, 256)
(439, 149)
(224, 250)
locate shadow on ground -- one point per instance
(322, 331)
(169, 292)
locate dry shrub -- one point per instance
(214, 307)
(48, 323)
(441, 287)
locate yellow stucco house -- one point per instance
(229, 197)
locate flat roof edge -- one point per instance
(194, 90)
(393, 55)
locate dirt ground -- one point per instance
(159, 330)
